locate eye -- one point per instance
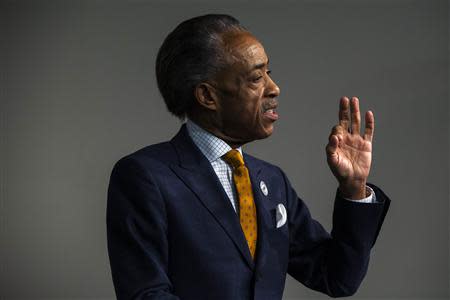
(257, 79)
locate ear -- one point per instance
(206, 95)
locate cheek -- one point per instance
(245, 110)
(254, 104)
(257, 106)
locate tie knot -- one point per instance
(234, 158)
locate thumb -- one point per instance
(331, 149)
(332, 145)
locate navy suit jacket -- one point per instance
(173, 233)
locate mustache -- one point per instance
(272, 104)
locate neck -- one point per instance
(210, 126)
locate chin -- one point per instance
(258, 133)
(266, 133)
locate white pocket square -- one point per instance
(281, 215)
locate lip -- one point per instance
(271, 114)
(270, 111)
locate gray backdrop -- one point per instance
(79, 92)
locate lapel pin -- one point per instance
(263, 187)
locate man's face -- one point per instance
(246, 93)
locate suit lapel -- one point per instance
(197, 173)
(264, 218)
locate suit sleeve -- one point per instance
(336, 263)
(137, 234)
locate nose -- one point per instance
(272, 89)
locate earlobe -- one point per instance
(206, 96)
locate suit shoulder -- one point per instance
(152, 157)
(250, 159)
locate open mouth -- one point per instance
(271, 113)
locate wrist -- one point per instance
(355, 190)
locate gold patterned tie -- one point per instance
(247, 208)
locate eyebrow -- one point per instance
(260, 66)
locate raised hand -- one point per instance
(349, 154)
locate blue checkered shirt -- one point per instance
(213, 148)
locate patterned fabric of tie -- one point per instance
(247, 208)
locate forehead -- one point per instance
(243, 49)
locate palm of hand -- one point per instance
(352, 158)
(349, 154)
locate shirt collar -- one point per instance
(210, 145)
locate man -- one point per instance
(196, 218)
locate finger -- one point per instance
(332, 145)
(370, 126)
(337, 130)
(332, 148)
(344, 113)
(356, 116)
